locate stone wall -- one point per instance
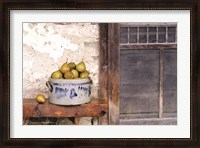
(46, 46)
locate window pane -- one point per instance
(170, 81)
(143, 35)
(133, 35)
(123, 35)
(161, 34)
(152, 34)
(139, 81)
(171, 34)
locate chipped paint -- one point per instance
(47, 45)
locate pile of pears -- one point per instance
(71, 71)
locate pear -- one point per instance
(64, 68)
(75, 73)
(81, 67)
(77, 78)
(56, 75)
(68, 75)
(40, 98)
(72, 65)
(84, 74)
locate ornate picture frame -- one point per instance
(5, 83)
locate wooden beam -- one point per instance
(148, 24)
(149, 121)
(76, 120)
(103, 67)
(113, 56)
(96, 108)
(147, 46)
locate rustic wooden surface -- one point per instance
(149, 121)
(149, 46)
(113, 72)
(76, 121)
(96, 108)
(103, 67)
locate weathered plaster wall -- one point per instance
(47, 45)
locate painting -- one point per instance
(139, 74)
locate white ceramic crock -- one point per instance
(69, 92)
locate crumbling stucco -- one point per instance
(46, 46)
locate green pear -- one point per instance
(64, 68)
(84, 74)
(81, 67)
(56, 75)
(68, 75)
(75, 73)
(40, 98)
(72, 65)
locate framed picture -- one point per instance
(101, 73)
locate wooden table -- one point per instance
(95, 108)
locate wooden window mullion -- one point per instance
(166, 35)
(161, 83)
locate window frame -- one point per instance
(109, 79)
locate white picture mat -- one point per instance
(181, 130)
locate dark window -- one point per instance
(161, 34)
(171, 34)
(170, 81)
(142, 34)
(124, 35)
(132, 35)
(152, 34)
(148, 74)
(139, 81)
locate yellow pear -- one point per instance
(56, 75)
(72, 65)
(81, 67)
(68, 75)
(75, 73)
(84, 74)
(40, 98)
(64, 68)
(77, 78)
